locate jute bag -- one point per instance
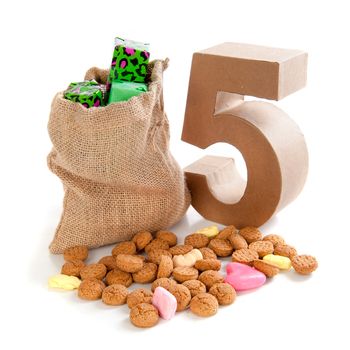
(117, 171)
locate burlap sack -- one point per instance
(118, 174)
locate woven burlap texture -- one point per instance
(118, 174)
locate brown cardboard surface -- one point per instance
(253, 52)
(272, 145)
(265, 72)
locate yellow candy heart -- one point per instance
(64, 282)
(210, 231)
(281, 262)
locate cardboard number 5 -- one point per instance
(271, 143)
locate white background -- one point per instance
(46, 45)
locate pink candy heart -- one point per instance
(165, 302)
(243, 277)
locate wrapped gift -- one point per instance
(88, 93)
(129, 62)
(124, 90)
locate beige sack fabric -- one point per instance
(117, 171)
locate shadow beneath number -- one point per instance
(270, 225)
(193, 221)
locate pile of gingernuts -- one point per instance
(189, 271)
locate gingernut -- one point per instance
(245, 256)
(221, 247)
(181, 249)
(147, 274)
(227, 232)
(274, 239)
(142, 257)
(304, 264)
(208, 253)
(237, 241)
(139, 296)
(251, 234)
(204, 305)
(210, 277)
(266, 268)
(285, 250)
(76, 253)
(166, 283)
(167, 236)
(109, 262)
(91, 289)
(156, 244)
(185, 273)
(141, 239)
(208, 264)
(182, 295)
(144, 315)
(165, 267)
(262, 248)
(129, 263)
(224, 293)
(97, 271)
(127, 247)
(155, 255)
(197, 240)
(72, 268)
(117, 276)
(195, 287)
(115, 294)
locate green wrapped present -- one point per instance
(124, 90)
(129, 62)
(88, 93)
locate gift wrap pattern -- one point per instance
(88, 93)
(130, 60)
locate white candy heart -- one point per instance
(188, 259)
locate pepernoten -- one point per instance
(197, 285)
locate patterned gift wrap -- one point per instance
(129, 62)
(88, 93)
